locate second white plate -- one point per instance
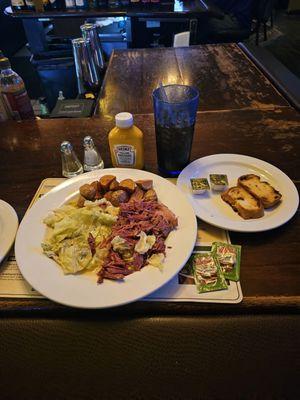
(8, 228)
(212, 209)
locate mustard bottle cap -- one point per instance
(124, 120)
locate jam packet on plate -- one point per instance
(229, 257)
(208, 273)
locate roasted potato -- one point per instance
(150, 195)
(118, 197)
(108, 195)
(105, 181)
(137, 195)
(128, 185)
(88, 191)
(145, 184)
(114, 185)
(98, 194)
(80, 201)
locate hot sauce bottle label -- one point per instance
(125, 155)
(19, 105)
(17, 3)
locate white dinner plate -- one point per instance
(212, 209)
(82, 290)
(8, 228)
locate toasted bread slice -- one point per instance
(260, 189)
(246, 205)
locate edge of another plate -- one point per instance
(11, 223)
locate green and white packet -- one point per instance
(229, 257)
(208, 273)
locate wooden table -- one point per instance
(151, 350)
(223, 74)
(270, 270)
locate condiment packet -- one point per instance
(208, 273)
(229, 257)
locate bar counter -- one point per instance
(270, 279)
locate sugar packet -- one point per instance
(229, 257)
(208, 273)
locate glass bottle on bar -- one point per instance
(101, 3)
(82, 4)
(14, 92)
(57, 5)
(30, 5)
(70, 4)
(18, 5)
(113, 3)
(47, 5)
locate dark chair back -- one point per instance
(263, 10)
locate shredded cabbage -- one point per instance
(145, 243)
(69, 229)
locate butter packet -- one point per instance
(229, 257)
(208, 273)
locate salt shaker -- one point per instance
(92, 158)
(71, 166)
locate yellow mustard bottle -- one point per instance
(126, 143)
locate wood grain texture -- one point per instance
(225, 77)
(270, 277)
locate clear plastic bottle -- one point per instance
(92, 158)
(71, 166)
(4, 114)
(14, 92)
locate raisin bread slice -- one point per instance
(260, 189)
(246, 205)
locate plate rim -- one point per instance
(85, 177)
(8, 242)
(263, 164)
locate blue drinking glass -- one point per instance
(175, 111)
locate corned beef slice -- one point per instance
(151, 217)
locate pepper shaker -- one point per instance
(71, 166)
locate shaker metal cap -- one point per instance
(78, 42)
(66, 147)
(87, 27)
(88, 141)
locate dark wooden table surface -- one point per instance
(224, 75)
(29, 152)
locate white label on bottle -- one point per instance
(17, 3)
(79, 3)
(70, 3)
(125, 155)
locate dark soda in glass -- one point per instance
(173, 148)
(175, 110)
